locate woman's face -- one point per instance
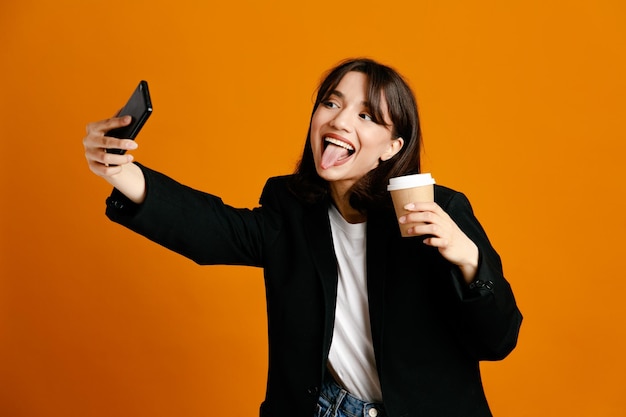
(346, 143)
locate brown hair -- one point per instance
(384, 83)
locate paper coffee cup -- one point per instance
(407, 189)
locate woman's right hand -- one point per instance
(116, 169)
(96, 143)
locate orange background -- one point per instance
(522, 108)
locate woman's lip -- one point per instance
(339, 138)
(338, 143)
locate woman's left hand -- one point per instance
(445, 235)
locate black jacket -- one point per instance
(430, 330)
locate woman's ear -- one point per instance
(394, 148)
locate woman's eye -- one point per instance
(366, 116)
(330, 104)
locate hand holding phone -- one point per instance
(139, 107)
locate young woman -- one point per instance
(361, 321)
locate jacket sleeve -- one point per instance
(192, 223)
(489, 317)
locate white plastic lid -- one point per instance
(410, 181)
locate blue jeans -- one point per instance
(334, 401)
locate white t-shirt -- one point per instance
(351, 351)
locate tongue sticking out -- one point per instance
(332, 154)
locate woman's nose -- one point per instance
(342, 121)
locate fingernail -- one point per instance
(402, 219)
(409, 206)
(131, 145)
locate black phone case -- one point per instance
(139, 107)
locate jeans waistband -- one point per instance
(348, 404)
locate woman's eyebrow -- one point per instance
(337, 93)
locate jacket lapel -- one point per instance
(317, 229)
(379, 232)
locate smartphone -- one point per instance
(139, 107)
